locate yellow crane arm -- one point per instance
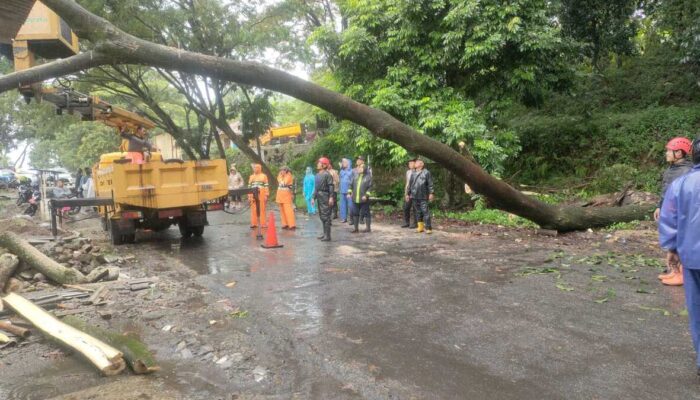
(92, 108)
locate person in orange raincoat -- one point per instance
(285, 198)
(259, 180)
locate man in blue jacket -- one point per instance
(679, 235)
(345, 181)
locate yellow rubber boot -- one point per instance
(665, 276)
(674, 280)
(421, 227)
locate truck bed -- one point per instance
(159, 184)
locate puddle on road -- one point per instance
(284, 280)
(68, 374)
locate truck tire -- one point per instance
(185, 231)
(115, 234)
(129, 238)
(198, 230)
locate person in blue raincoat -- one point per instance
(679, 235)
(345, 182)
(309, 190)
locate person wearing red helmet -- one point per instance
(677, 150)
(323, 197)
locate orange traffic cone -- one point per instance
(271, 237)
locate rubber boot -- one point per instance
(421, 227)
(327, 232)
(368, 223)
(665, 275)
(675, 280)
(429, 230)
(356, 223)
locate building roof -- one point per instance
(13, 13)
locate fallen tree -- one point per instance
(39, 261)
(106, 358)
(113, 46)
(136, 354)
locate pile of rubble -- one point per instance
(74, 253)
(60, 276)
(79, 253)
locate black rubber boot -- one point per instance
(356, 223)
(327, 232)
(368, 223)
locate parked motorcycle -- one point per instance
(24, 193)
(34, 202)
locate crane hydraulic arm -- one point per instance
(44, 34)
(92, 108)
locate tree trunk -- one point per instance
(219, 145)
(112, 45)
(136, 354)
(106, 358)
(245, 149)
(37, 260)
(8, 266)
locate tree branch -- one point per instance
(54, 69)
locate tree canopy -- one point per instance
(447, 79)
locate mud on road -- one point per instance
(469, 312)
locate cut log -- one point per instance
(106, 358)
(14, 329)
(4, 339)
(137, 355)
(78, 287)
(96, 296)
(8, 266)
(39, 261)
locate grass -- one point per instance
(487, 216)
(624, 226)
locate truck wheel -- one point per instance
(185, 231)
(130, 238)
(115, 234)
(198, 230)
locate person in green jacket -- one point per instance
(359, 193)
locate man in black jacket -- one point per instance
(324, 191)
(408, 208)
(421, 191)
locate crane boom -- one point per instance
(46, 35)
(92, 108)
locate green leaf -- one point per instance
(563, 286)
(663, 311)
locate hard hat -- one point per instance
(679, 143)
(324, 161)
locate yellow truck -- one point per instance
(152, 195)
(282, 134)
(158, 193)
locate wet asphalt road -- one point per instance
(394, 314)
